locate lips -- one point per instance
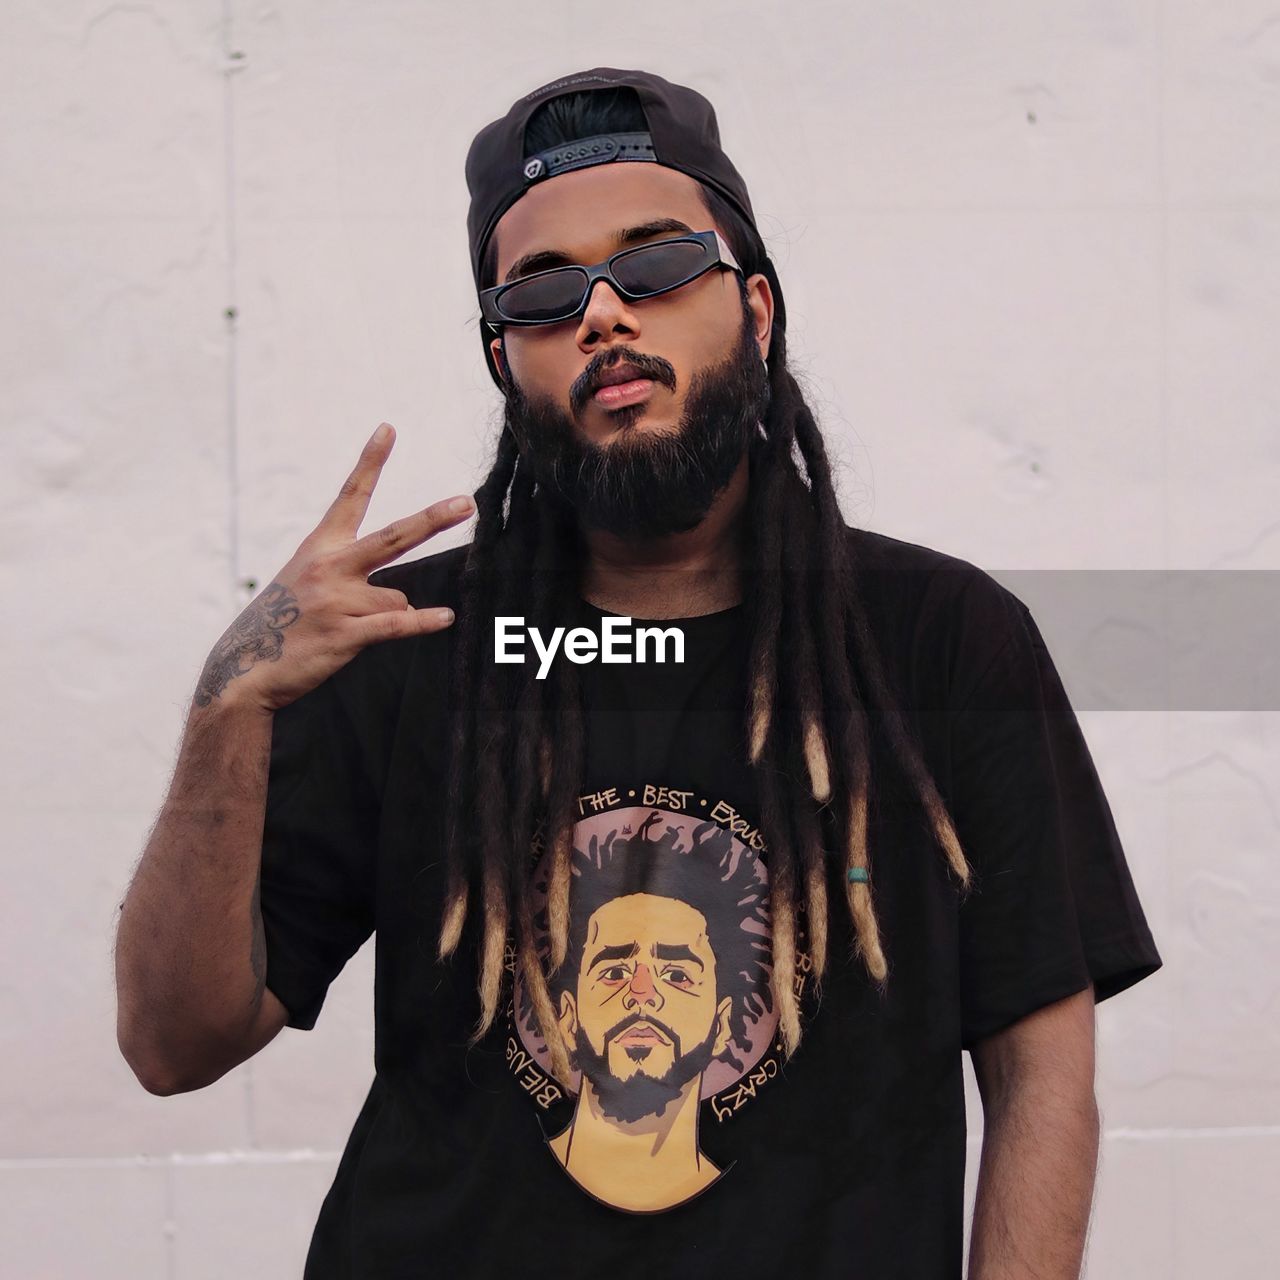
(642, 1032)
(615, 395)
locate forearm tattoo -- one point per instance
(257, 635)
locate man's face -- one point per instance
(654, 467)
(645, 1019)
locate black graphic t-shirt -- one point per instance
(685, 1142)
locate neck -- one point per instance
(681, 575)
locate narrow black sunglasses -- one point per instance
(547, 297)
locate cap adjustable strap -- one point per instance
(600, 149)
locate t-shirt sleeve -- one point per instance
(319, 843)
(1053, 905)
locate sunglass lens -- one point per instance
(546, 297)
(655, 267)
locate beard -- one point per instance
(648, 484)
(639, 1095)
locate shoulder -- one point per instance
(933, 606)
(926, 576)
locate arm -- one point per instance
(191, 956)
(190, 952)
(1040, 1145)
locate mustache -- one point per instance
(649, 366)
(627, 1023)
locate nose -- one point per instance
(643, 989)
(607, 313)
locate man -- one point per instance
(657, 987)
(863, 781)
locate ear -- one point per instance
(760, 300)
(500, 358)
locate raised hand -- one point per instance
(320, 610)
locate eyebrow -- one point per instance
(661, 951)
(545, 258)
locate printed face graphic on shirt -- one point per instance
(644, 1021)
(664, 998)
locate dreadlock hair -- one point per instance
(807, 718)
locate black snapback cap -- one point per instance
(682, 134)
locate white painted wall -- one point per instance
(1031, 257)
